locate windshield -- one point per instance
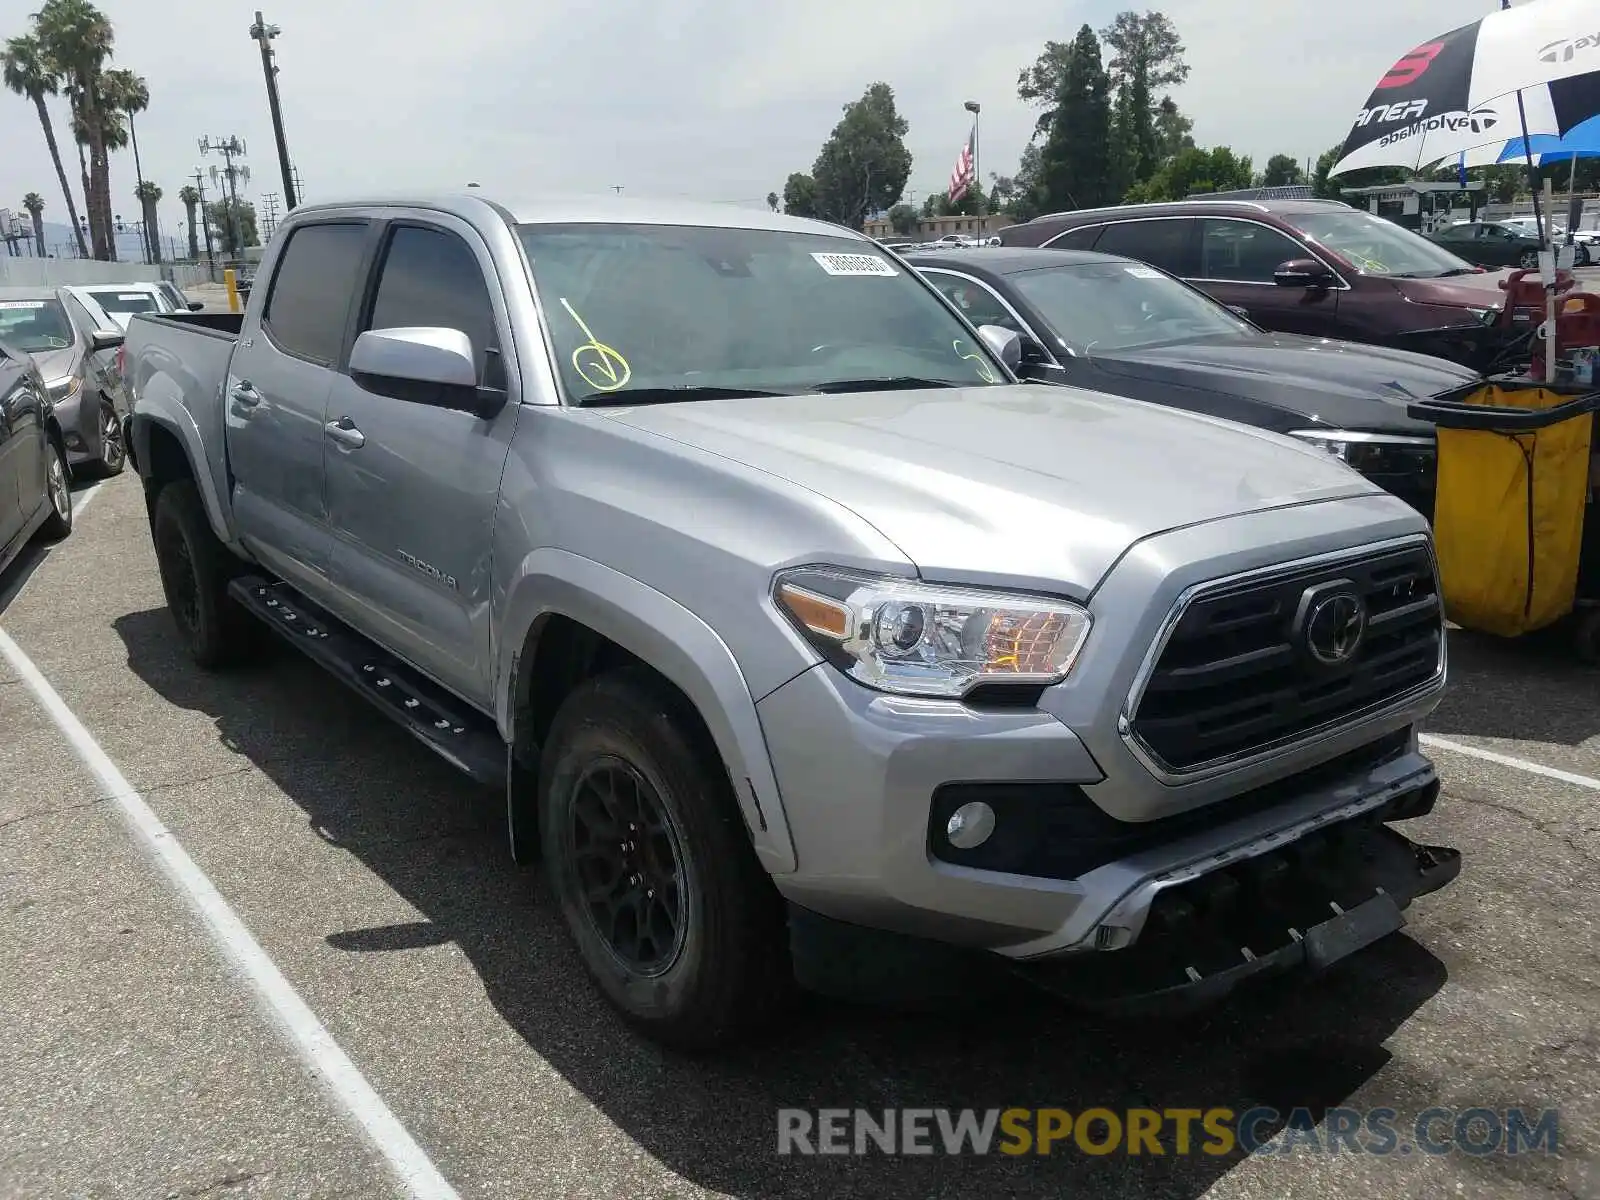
(35, 325)
(127, 302)
(649, 312)
(1119, 305)
(1373, 246)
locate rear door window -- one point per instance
(1244, 251)
(318, 274)
(1082, 238)
(1164, 243)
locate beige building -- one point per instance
(932, 228)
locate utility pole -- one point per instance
(299, 184)
(269, 214)
(262, 34)
(205, 221)
(227, 179)
(973, 107)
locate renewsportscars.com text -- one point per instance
(1170, 1131)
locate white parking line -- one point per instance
(310, 1038)
(1510, 760)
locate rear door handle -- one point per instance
(344, 432)
(244, 394)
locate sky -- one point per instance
(710, 99)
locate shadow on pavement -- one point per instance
(436, 840)
(1525, 689)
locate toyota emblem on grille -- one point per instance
(1334, 620)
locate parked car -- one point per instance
(77, 357)
(35, 499)
(1114, 325)
(176, 299)
(811, 643)
(112, 305)
(1499, 244)
(1317, 267)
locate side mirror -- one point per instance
(195, 305)
(1303, 273)
(106, 339)
(1005, 343)
(422, 364)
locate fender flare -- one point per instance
(674, 641)
(161, 404)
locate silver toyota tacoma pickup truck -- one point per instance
(805, 642)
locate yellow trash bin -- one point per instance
(1513, 483)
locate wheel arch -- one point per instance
(568, 616)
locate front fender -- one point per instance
(161, 403)
(674, 641)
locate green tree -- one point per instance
(1075, 163)
(33, 205)
(864, 164)
(971, 204)
(773, 201)
(1173, 129)
(240, 231)
(1192, 172)
(1146, 54)
(148, 194)
(77, 41)
(26, 72)
(1281, 171)
(903, 219)
(1018, 195)
(191, 203)
(800, 195)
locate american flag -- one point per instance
(963, 176)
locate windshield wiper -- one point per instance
(669, 395)
(1456, 271)
(887, 383)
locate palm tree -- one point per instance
(191, 201)
(27, 73)
(127, 94)
(33, 204)
(148, 193)
(77, 41)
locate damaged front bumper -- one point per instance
(1309, 905)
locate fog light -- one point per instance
(970, 825)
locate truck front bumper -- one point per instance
(869, 781)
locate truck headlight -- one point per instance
(63, 389)
(918, 639)
(1365, 450)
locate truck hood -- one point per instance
(1026, 483)
(1315, 381)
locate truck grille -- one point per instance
(1238, 673)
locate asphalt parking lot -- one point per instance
(136, 1060)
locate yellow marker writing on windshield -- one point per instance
(985, 371)
(601, 366)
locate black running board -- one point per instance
(461, 736)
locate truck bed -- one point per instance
(214, 324)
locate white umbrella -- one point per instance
(1533, 44)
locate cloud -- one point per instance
(706, 98)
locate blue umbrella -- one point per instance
(1581, 141)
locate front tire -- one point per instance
(195, 569)
(672, 914)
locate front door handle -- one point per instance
(344, 432)
(244, 394)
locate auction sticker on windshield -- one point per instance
(1142, 272)
(854, 264)
(23, 303)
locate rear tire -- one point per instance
(195, 569)
(58, 495)
(676, 921)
